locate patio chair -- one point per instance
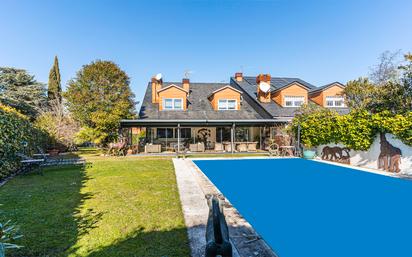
(153, 148)
(287, 150)
(252, 146)
(228, 146)
(199, 147)
(273, 149)
(242, 147)
(183, 150)
(219, 147)
(30, 164)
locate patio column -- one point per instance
(232, 136)
(298, 146)
(178, 138)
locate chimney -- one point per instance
(263, 88)
(239, 76)
(156, 86)
(185, 83)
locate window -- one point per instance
(173, 104)
(335, 101)
(172, 133)
(294, 101)
(164, 133)
(222, 134)
(184, 133)
(227, 104)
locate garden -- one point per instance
(111, 207)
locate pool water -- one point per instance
(307, 208)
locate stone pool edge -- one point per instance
(364, 169)
(193, 186)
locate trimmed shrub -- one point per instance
(17, 134)
(355, 130)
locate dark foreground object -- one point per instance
(217, 233)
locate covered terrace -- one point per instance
(205, 136)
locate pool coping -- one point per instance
(244, 238)
(368, 170)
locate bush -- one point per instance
(355, 130)
(318, 125)
(17, 134)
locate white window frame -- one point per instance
(294, 100)
(334, 100)
(173, 104)
(223, 104)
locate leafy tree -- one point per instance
(54, 86)
(21, 91)
(359, 94)
(98, 97)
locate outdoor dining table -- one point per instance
(287, 150)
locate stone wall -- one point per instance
(369, 159)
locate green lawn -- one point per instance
(118, 207)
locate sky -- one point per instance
(317, 41)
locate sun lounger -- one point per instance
(30, 164)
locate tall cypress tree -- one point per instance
(54, 90)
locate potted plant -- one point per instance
(8, 234)
(308, 151)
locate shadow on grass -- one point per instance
(147, 243)
(47, 209)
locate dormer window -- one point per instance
(227, 104)
(172, 104)
(335, 101)
(294, 101)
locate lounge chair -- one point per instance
(30, 164)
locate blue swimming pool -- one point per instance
(307, 208)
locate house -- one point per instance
(241, 115)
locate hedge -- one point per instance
(356, 130)
(17, 135)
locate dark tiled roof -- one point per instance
(249, 85)
(318, 89)
(199, 106)
(273, 108)
(277, 83)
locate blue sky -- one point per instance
(318, 41)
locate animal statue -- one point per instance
(345, 158)
(203, 135)
(119, 147)
(389, 157)
(336, 154)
